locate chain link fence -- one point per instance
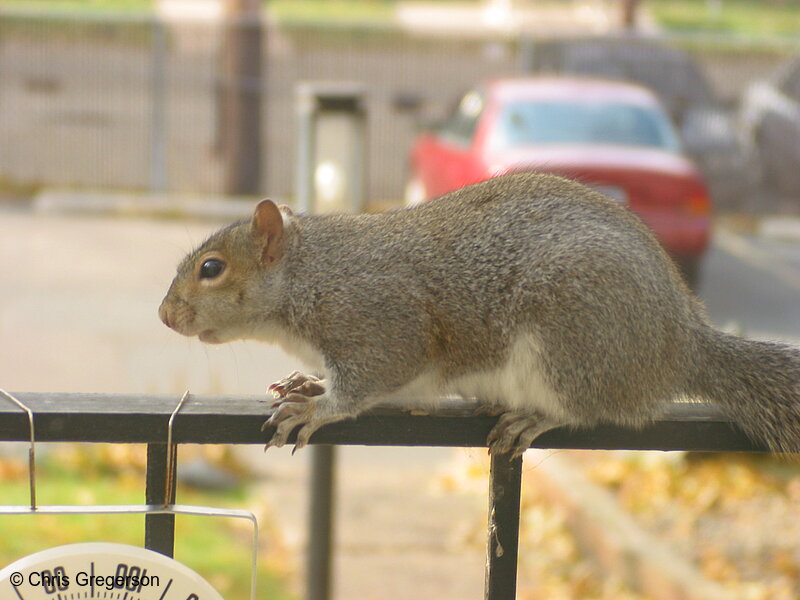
(136, 103)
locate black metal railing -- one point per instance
(131, 418)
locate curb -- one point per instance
(223, 209)
(614, 539)
(127, 204)
(780, 228)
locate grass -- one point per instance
(739, 17)
(372, 11)
(217, 548)
(83, 6)
(291, 10)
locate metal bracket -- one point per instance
(168, 507)
(31, 450)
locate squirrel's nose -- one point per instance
(163, 313)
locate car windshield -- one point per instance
(564, 122)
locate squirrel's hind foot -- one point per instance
(515, 431)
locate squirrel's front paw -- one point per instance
(293, 411)
(298, 396)
(298, 383)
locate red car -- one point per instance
(613, 136)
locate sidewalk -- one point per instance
(780, 228)
(400, 532)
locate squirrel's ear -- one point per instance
(268, 228)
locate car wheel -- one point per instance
(415, 192)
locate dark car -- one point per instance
(770, 117)
(613, 136)
(707, 128)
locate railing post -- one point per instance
(320, 530)
(159, 530)
(505, 479)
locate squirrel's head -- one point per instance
(228, 288)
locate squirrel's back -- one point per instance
(525, 256)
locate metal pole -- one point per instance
(320, 531)
(159, 529)
(505, 481)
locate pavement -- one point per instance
(782, 228)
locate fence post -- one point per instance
(320, 530)
(505, 481)
(241, 97)
(159, 530)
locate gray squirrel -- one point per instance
(550, 303)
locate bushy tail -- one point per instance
(757, 384)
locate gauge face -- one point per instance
(100, 570)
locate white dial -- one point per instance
(99, 570)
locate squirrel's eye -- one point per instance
(211, 268)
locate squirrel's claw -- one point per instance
(299, 383)
(296, 406)
(291, 411)
(514, 432)
(298, 397)
(304, 435)
(285, 428)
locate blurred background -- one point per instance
(144, 95)
(130, 129)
